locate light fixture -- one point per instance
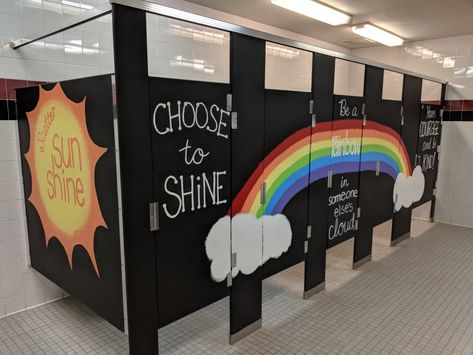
(315, 10)
(377, 34)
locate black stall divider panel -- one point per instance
(191, 164)
(344, 160)
(286, 178)
(70, 183)
(430, 129)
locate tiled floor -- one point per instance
(61, 327)
(415, 298)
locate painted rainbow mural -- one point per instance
(307, 155)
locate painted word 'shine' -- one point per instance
(168, 119)
(193, 192)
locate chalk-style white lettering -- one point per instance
(171, 193)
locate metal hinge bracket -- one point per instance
(402, 115)
(329, 179)
(311, 107)
(263, 193)
(229, 102)
(234, 120)
(309, 232)
(234, 260)
(153, 216)
(306, 246)
(378, 164)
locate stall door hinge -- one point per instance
(234, 260)
(306, 246)
(313, 120)
(363, 113)
(358, 212)
(309, 232)
(434, 192)
(378, 164)
(153, 216)
(234, 120)
(263, 193)
(311, 107)
(329, 179)
(402, 115)
(229, 279)
(441, 116)
(229, 102)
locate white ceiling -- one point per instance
(410, 19)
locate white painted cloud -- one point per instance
(408, 189)
(247, 241)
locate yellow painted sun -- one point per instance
(62, 159)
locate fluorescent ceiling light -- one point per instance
(315, 10)
(377, 34)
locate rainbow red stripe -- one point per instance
(307, 155)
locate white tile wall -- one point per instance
(288, 68)
(455, 189)
(349, 78)
(182, 50)
(449, 58)
(392, 85)
(20, 286)
(82, 51)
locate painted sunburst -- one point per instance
(62, 159)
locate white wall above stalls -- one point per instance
(21, 287)
(242, 21)
(85, 50)
(349, 78)
(392, 85)
(182, 50)
(287, 68)
(454, 203)
(431, 91)
(449, 58)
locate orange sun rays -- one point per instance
(62, 158)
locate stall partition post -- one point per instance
(134, 127)
(411, 95)
(247, 79)
(323, 75)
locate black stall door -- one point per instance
(191, 158)
(287, 122)
(347, 128)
